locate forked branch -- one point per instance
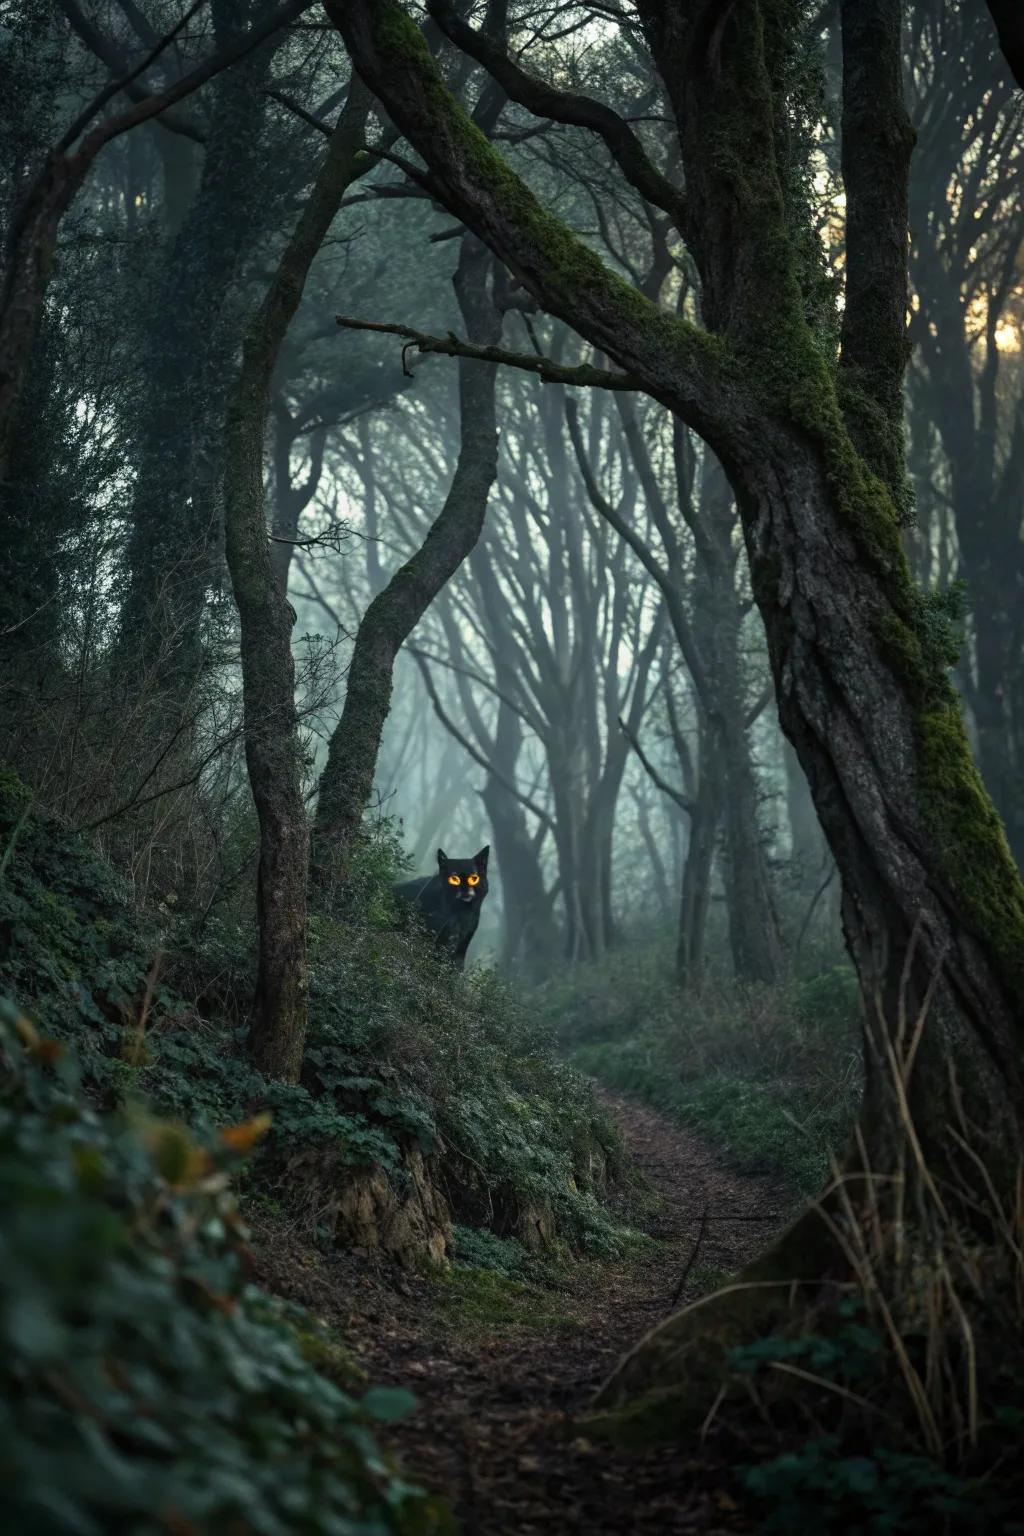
(548, 371)
(546, 101)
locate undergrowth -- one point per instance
(772, 1074)
(482, 1303)
(403, 1054)
(895, 1404)
(147, 1385)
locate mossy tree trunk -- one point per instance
(187, 347)
(272, 746)
(347, 780)
(961, 374)
(933, 905)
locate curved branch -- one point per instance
(580, 111)
(109, 54)
(652, 772)
(477, 756)
(558, 268)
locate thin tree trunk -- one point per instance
(695, 895)
(806, 846)
(272, 748)
(754, 936)
(528, 929)
(347, 779)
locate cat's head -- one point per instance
(464, 881)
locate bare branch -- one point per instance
(125, 78)
(548, 371)
(652, 773)
(545, 101)
(477, 756)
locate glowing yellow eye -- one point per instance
(454, 880)
(473, 880)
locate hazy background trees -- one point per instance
(590, 691)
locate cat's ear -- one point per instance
(481, 858)
(442, 858)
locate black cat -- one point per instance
(448, 903)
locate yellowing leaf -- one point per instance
(40, 1046)
(27, 1032)
(175, 1154)
(242, 1138)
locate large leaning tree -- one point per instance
(808, 427)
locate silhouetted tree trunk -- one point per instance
(695, 895)
(1009, 20)
(754, 937)
(529, 937)
(291, 499)
(347, 779)
(189, 343)
(30, 244)
(272, 748)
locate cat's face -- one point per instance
(463, 881)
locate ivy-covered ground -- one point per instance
(148, 1383)
(381, 1299)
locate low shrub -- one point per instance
(896, 1399)
(147, 1385)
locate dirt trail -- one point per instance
(493, 1432)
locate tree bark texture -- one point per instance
(189, 343)
(958, 376)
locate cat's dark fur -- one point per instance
(450, 911)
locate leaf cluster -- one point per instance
(147, 1385)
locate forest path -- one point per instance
(493, 1430)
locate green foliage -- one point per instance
(72, 948)
(402, 1052)
(855, 1479)
(773, 1075)
(459, 1064)
(147, 1385)
(477, 1248)
(849, 1355)
(377, 862)
(828, 1000)
(876, 1493)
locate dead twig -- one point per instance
(545, 368)
(690, 1261)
